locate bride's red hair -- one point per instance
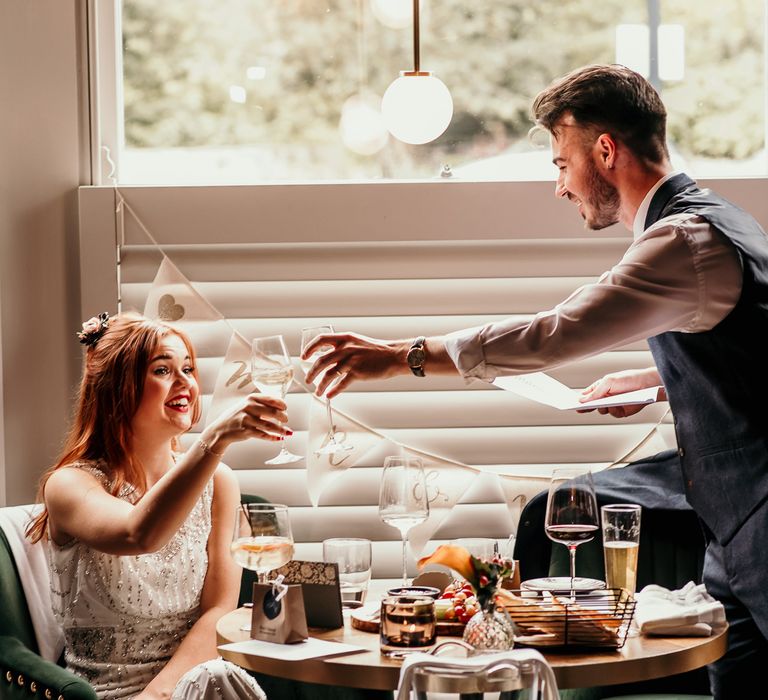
(109, 395)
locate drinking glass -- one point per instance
(621, 544)
(353, 556)
(403, 500)
(335, 445)
(262, 539)
(572, 515)
(272, 373)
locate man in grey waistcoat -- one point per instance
(694, 282)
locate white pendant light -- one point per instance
(395, 14)
(361, 125)
(417, 107)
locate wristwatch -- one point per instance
(416, 356)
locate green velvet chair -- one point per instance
(24, 673)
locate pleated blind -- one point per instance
(430, 277)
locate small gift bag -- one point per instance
(278, 613)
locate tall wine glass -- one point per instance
(403, 500)
(272, 373)
(572, 514)
(335, 444)
(262, 539)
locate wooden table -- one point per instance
(641, 658)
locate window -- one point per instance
(229, 91)
(393, 259)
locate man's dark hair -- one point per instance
(611, 99)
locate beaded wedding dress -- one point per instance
(124, 616)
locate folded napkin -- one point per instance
(32, 564)
(688, 612)
(548, 684)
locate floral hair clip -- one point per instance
(93, 329)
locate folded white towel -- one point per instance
(688, 612)
(530, 657)
(32, 564)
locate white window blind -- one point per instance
(388, 261)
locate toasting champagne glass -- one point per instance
(572, 515)
(272, 373)
(262, 539)
(335, 445)
(403, 500)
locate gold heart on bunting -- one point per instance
(172, 298)
(168, 309)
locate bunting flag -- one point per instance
(447, 482)
(323, 469)
(173, 299)
(233, 382)
(518, 490)
(652, 443)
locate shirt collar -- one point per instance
(638, 226)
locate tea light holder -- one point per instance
(407, 624)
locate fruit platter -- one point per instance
(456, 604)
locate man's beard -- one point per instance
(603, 201)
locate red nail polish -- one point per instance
(289, 432)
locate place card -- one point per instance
(311, 648)
(320, 586)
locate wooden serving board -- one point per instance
(361, 620)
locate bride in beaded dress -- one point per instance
(138, 533)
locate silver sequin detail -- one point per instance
(125, 616)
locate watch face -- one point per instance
(416, 357)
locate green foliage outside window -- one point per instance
(181, 57)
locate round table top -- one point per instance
(641, 658)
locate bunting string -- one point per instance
(172, 298)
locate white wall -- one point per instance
(41, 146)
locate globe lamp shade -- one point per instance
(362, 127)
(417, 107)
(396, 14)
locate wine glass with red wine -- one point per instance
(572, 515)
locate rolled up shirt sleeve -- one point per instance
(681, 275)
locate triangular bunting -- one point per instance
(233, 381)
(173, 299)
(652, 443)
(447, 482)
(323, 469)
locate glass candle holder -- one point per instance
(407, 624)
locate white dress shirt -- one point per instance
(678, 275)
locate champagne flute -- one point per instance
(403, 500)
(272, 373)
(572, 515)
(262, 539)
(334, 445)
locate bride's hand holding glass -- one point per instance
(258, 416)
